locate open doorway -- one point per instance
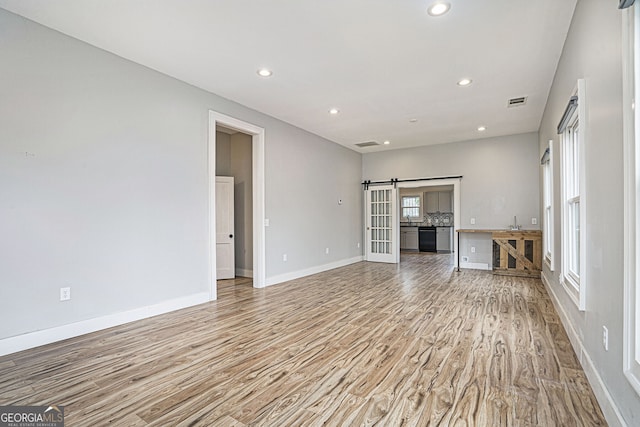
(234, 162)
(383, 214)
(429, 212)
(236, 149)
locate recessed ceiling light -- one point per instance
(265, 72)
(464, 82)
(482, 128)
(334, 111)
(387, 142)
(438, 8)
(413, 120)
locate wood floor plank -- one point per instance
(365, 344)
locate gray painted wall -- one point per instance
(234, 158)
(241, 158)
(103, 184)
(500, 180)
(593, 51)
(223, 154)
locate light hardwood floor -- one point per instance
(366, 344)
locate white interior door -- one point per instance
(381, 228)
(225, 248)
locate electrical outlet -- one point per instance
(65, 294)
(326, 251)
(284, 257)
(605, 338)
(534, 221)
(465, 259)
(266, 222)
(473, 221)
(358, 245)
(473, 249)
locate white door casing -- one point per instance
(225, 247)
(456, 206)
(258, 178)
(381, 229)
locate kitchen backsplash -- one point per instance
(437, 219)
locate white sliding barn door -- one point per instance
(225, 248)
(381, 228)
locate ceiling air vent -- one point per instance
(516, 102)
(367, 144)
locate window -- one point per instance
(411, 207)
(547, 188)
(573, 218)
(572, 197)
(631, 120)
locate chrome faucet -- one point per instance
(515, 225)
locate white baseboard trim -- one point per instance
(309, 271)
(244, 273)
(607, 404)
(59, 333)
(475, 265)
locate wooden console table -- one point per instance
(515, 252)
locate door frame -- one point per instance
(456, 204)
(258, 182)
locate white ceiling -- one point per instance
(381, 62)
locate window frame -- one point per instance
(402, 207)
(548, 209)
(573, 173)
(631, 130)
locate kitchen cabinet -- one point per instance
(444, 201)
(517, 253)
(409, 238)
(443, 239)
(431, 201)
(438, 201)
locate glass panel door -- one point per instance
(381, 228)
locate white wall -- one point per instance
(500, 180)
(593, 51)
(103, 184)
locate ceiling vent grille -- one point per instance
(516, 102)
(367, 144)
